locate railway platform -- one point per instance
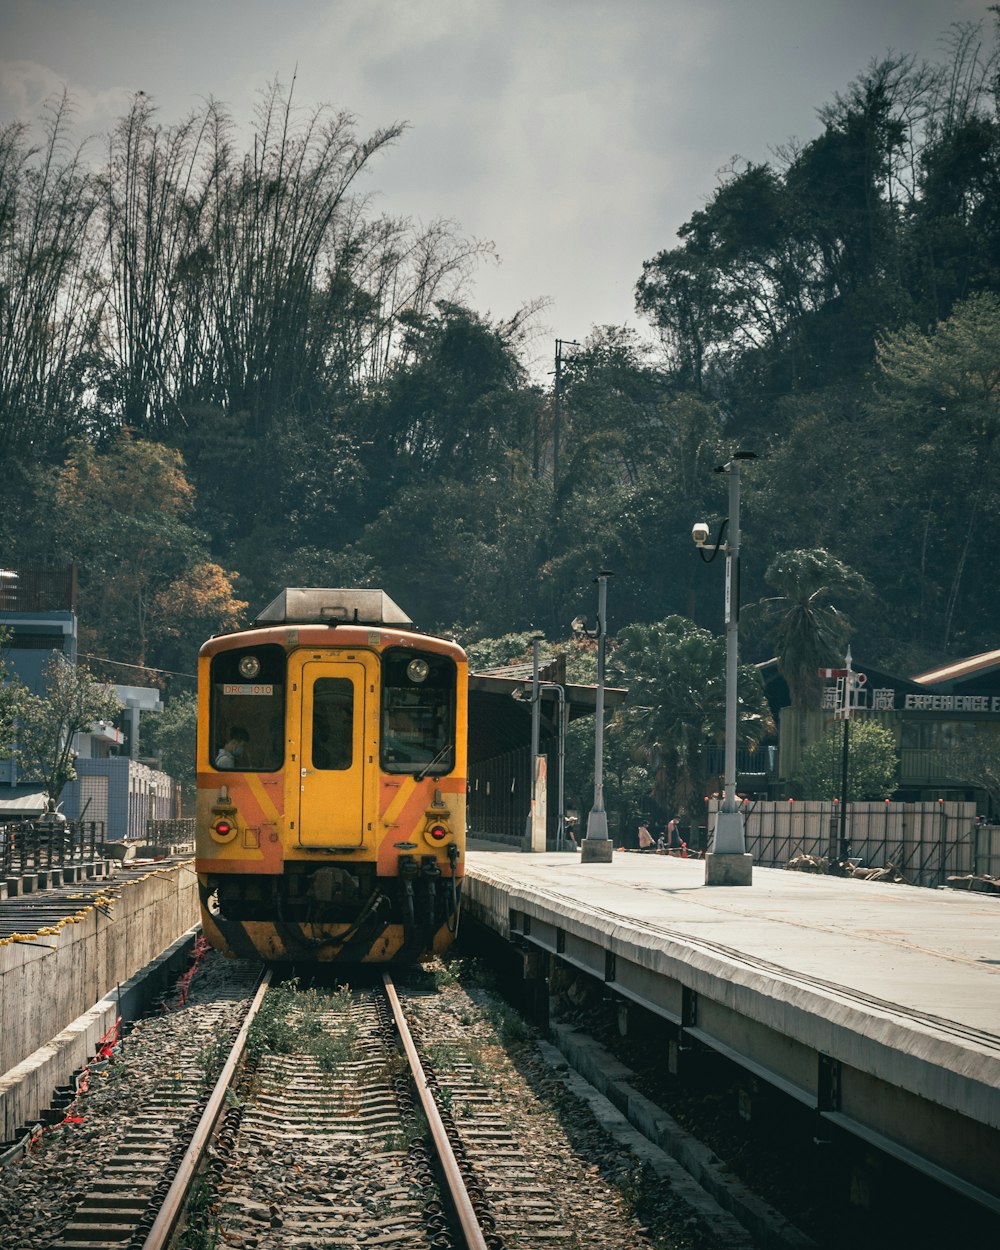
(875, 1005)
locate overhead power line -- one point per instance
(140, 668)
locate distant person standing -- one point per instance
(646, 842)
(673, 837)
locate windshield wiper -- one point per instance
(436, 760)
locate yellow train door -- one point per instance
(337, 698)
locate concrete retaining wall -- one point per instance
(45, 985)
(26, 1089)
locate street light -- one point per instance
(596, 847)
(727, 863)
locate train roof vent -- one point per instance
(305, 605)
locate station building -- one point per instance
(114, 787)
(932, 715)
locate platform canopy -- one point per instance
(500, 722)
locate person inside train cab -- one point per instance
(234, 749)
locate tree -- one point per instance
(976, 762)
(73, 701)
(50, 303)
(199, 603)
(941, 395)
(171, 736)
(676, 677)
(809, 631)
(123, 515)
(872, 763)
(11, 697)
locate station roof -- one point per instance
(499, 722)
(987, 662)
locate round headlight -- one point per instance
(249, 667)
(417, 670)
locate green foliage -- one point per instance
(220, 375)
(873, 763)
(976, 762)
(486, 653)
(171, 736)
(807, 628)
(676, 676)
(12, 694)
(73, 701)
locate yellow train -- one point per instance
(331, 782)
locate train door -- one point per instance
(337, 696)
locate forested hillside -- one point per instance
(223, 372)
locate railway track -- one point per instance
(358, 1142)
(373, 1115)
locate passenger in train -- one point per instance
(234, 749)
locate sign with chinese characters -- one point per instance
(886, 699)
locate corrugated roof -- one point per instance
(22, 806)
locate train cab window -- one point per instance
(418, 712)
(333, 723)
(247, 713)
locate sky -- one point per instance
(575, 135)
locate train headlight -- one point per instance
(417, 670)
(249, 667)
(223, 830)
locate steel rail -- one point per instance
(159, 1235)
(456, 1185)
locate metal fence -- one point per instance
(925, 842)
(172, 836)
(32, 846)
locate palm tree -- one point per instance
(809, 631)
(676, 677)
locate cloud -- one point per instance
(28, 90)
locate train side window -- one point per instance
(333, 723)
(247, 710)
(418, 712)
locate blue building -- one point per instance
(113, 786)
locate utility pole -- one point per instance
(557, 406)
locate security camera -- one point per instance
(699, 533)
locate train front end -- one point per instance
(331, 783)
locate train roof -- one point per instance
(312, 605)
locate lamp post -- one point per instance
(596, 847)
(727, 863)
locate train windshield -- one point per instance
(418, 712)
(247, 713)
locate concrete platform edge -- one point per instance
(954, 1073)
